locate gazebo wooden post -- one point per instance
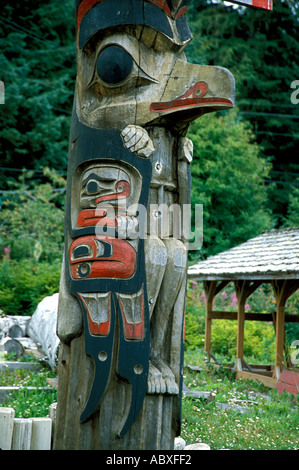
(243, 288)
(283, 289)
(210, 291)
(241, 293)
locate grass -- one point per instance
(271, 421)
(29, 403)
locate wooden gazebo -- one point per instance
(272, 257)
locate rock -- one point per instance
(235, 407)
(28, 343)
(194, 368)
(11, 345)
(206, 396)
(179, 443)
(42, 328)
(198, 446)
(13, 326)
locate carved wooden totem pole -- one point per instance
(122, 293)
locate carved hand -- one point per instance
(137, 140)
(186, 149)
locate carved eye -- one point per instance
(114, 65)
(92, 187)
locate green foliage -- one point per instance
(37, 64)
(259, 337)
(292, 218)
(31, 224)
(31, 243)
(29, 403)
(228, 175)
(261, 49)
(24, 283)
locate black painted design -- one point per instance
(114, 65)
(88, 146)
(122, 12)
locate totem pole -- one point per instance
(123, 280)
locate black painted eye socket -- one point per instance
(114, 65)
(92, 187)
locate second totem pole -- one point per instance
(123, 281)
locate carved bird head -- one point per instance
(132, 68)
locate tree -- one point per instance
(31, 219)
(292, 218)
(228, 173)
(31, 243)
(37, 64)
(261, 49)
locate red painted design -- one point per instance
(93, 217)
(84, 7)
(192, 99)
(162, 4)
(181, 12)
(118, 264)
(98, 328)
(123, 190)
(133, 330)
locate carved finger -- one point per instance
(128, 132)
(147, 151)
(122, 226)
(154, 380)
(142, 140)
(185, 149)
(162, 385)
(132, 134)
(172, 387)
(133, 142)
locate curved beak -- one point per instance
(193, 90)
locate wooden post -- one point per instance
(6, 426)
(41, 434)
(243, 288)
(241, 293)
(283, 289)
(210, 291)
(22, 434)
(123, 281)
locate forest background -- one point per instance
(245, 169)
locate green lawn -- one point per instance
(29, 403)
(270, 423)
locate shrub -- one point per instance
(259, 336)
(24, 283)
(31, 221)
(31, 243)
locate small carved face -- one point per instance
(100, 184)
(107, 183)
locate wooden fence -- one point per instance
(26, 434)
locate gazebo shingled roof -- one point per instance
(271, 255)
